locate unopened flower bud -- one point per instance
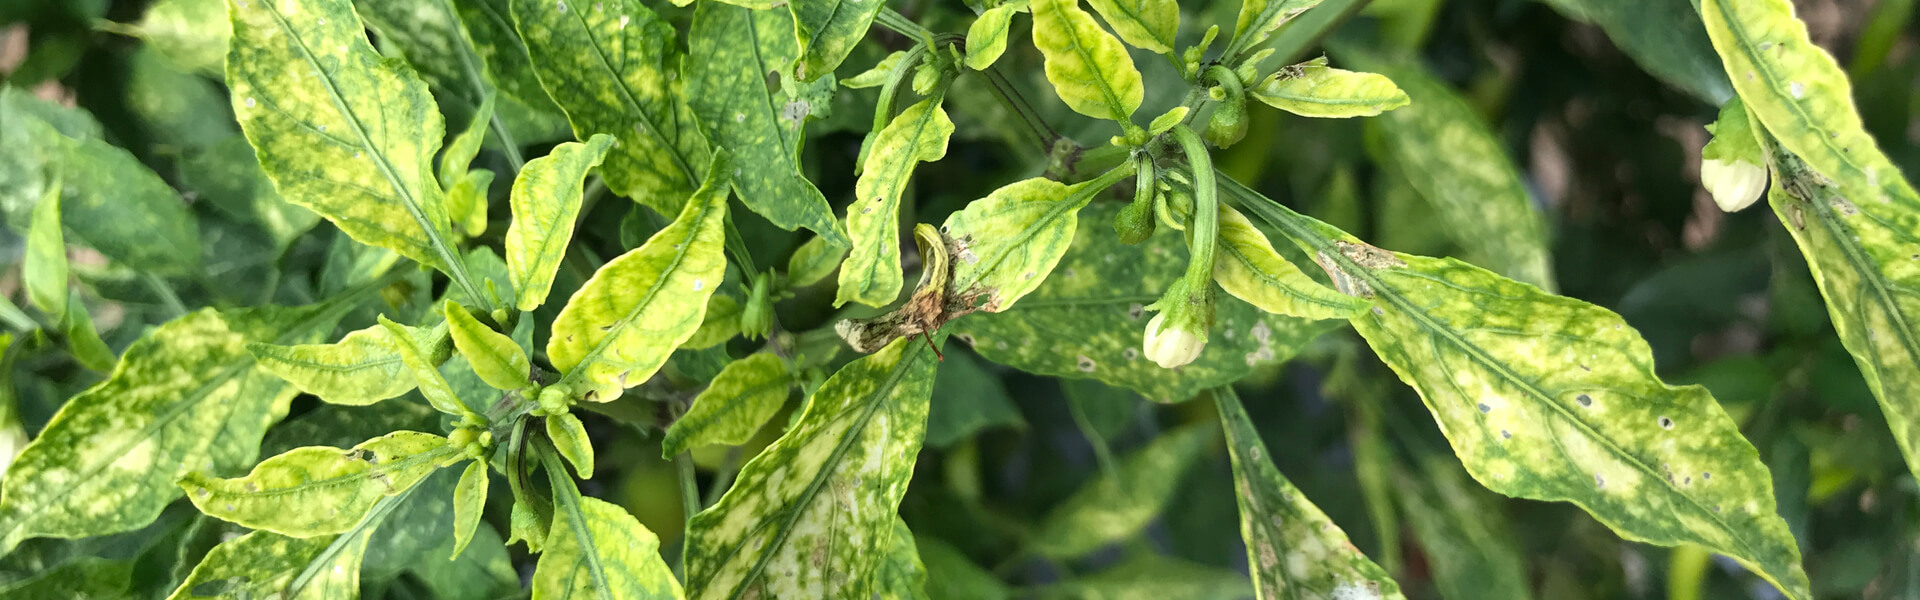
(1734, 185)
(1171, 346)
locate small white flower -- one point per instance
(1734, 184)
(1171, 347)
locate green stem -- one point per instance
(724, 478)
(167, 297)
(1203, 226)
(689, 484)
(16, 319)
(900, 24)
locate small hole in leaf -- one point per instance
(1484, 408)
(1585, 400)
(1666, 423)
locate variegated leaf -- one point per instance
(599, 551)
(569, 437)
(546, 202)
(1258, 19)
(320, 490)
(1089, 68)
(819, 503)
(827, 31)
(1147, 24)
(469, 505)
(495, 358)
(1312, 89)
(741, 398)
(987, 36)
(1118, 504)
(263, 564)
(360, 369)
(1247, 266)
(871, 274)
(1472, 551)
(1007, 243)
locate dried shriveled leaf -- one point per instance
(871, 273)
(741, 398)
(1089, 68)
(761, 120)
(820, 502)
(622, 324)
(546, 203)
(319, 490)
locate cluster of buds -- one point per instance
(472, 438)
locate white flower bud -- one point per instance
(1735, 184)
(1171, 347)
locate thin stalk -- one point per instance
(1204, 224)
(899, 23)
(689, 504)
(167, 297)
(16, 319)
(1009, 96)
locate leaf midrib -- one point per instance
(391, 466)
(1071, 18)
(896, 174)
(620, 83)
(653, 292)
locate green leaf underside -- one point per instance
(1315, 90)
(418, 359)
(1089, 68)
(733, 93)
(900, 575)
(987, 36)
(495, 358)
(828, 30)
(1118, 504)
(819, 503)
(871, 274)
(43, 270)
(362, 368)
(319, 490)
(546, 203)
(1248, 267)
(622, 324)
(741, 398)
(1293, 550)
(1665, 38)
(1473, 554)
(337, 128)
(1259, 18)
(1443, 148)
(1087, 319)
(1147, 24)
(1550, 398)
(601, 542)
(609, 66)
(721, 323)
(1848, 207)
(1007, 243)
(266, 565)
(184, 396)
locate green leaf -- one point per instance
(759, 119)
(469, 505)
(546, 203)
(741, 398)
(402, 340)
(877, 76)
(320, 490)
(721, 323)
(986, 37)
(814, 261)
(43, 270)
(1153, 577)
(1664, 38)
(1312, 89)
(569, 436)
(494, 356)
(1249, 268)
(1115, 505)
(185, 395)
(1167, 120)
(619, 328)
(1443, 147)
(871, 274)
(966, 400)
(1089, 69)
(610, 66)
(602, 552)
(1464, 535)
(1088, 318)
(467, 202)
(191, 33)
(265, 565)
(1293, 549)
(1551, 398)
(951, 575)
(1147, 24)
(497, 44)
(824, 494)
(228, 177)
(457, 157)
(1846, 205)
(1259, 18)
(1007, 243)
(85, 343)
(827, 31)
(900, 576)
(362, 368)
(339, 129)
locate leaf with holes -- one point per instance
(871, 273)
(1312, 89)
(1147, 24)
(184, 396)
(320, 490)
(1550, 398)
(1006, 243)
(1089, 69)
(827, 31)
(600, 551)
(747, 108)
(1120, 503)
(338, 128)
(1248, 267)
(360, 369)
(741, 398)
(1444, 149)
(619, 328)
(546, 202)
(1293, 549)
(1848, 207)
(610, 65)
(820, 502)
(1087, 319)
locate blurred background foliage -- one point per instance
(1599, 104)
